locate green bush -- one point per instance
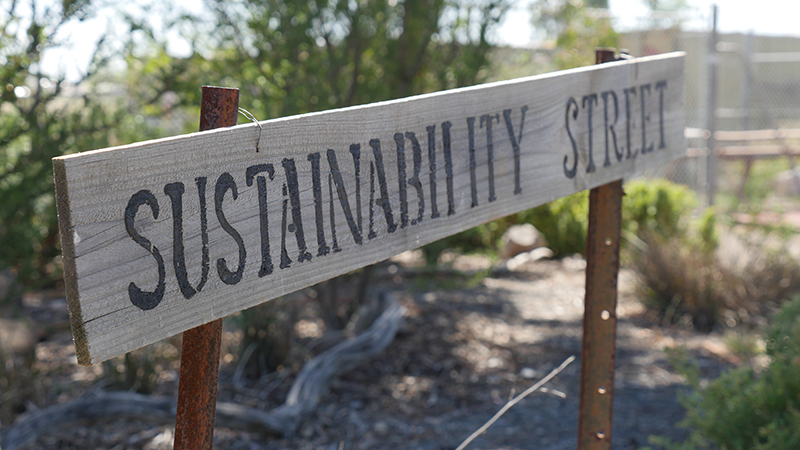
(657, 208)
(675, 254)
(652, 207)
(43, 117)
(563, 222)
(745, 408)
(682, 277)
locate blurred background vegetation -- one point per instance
(285, 57)
(296, 57)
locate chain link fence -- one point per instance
(756, 108)
(756, 105)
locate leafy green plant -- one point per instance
(564, 222)
(675, 255)
(652, 207)
(44, 116)
(657, 207)
(576, 29)
(682, 276)
(745, 408)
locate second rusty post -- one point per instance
(197, 385)
(598, 350)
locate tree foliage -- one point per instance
(577, 28)
(286, 57)
(296, 57)
(42, 117)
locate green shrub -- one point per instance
(40, 121)
(675, 256)
(564, 222)
(683, 279)
(745, 409)
(655, 207)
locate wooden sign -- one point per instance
(162, 236)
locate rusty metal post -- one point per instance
(197, 386)
(598, 351)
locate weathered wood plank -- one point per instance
(162, 236)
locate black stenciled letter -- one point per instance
(473, 181)
(628, 127)
(175, 193)
(383, 201)
(355, 228)
(142, 299)
(286, 262)
(570, 173)
(252, 171)
(609, 128)
(371, 233)
(486, 120)
(297, 218)
(319, 217)
(336, 248)
(590, 167)
(224, 183)
(661, 86)
(448, 167)
(645, 118)
(515, 143)
(401, 178)
(432, 164)
(414, 180)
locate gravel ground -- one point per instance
(461, 354)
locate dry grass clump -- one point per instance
(682, 285)
(687, 279)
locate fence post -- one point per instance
(598, 349)
(197, 385)
(711, 110)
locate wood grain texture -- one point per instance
(490, 151)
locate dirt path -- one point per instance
(460, 356)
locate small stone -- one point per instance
(381, 427)
(521, 238)
(15, 337)
(527, 373)
(307, 431)
(518, 262)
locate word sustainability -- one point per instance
(165, 235)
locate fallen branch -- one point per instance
(514, 401)
(310, 385)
